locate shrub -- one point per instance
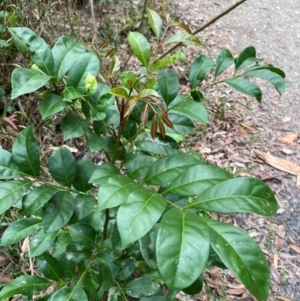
(142, 218)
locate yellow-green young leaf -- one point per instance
(184, 38)
(148, 92)
(140, 47)
(119, 92)
(90, 84)
(155, 22)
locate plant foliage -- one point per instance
(142, 218)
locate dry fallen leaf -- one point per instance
(281, 164)
(283, 298)
(295, 248)
(290, 138)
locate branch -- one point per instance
(225, 12)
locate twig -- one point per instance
(213, 20)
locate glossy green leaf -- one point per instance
(25, 152)
(182, 248)
(155, 22)
(61, 294)
(70, 93)
(79, 253)
(103, 172)
(196, 179)
(140, 47)
(138, 214)
(85, 64)
(191, 109)
(119, 92)
(159, 64)
(39, 50)
(24, 285)
(59, 211)
(185, 38)
(41, 242)
(84, 171)
(148, 247)
(51, 104)
(115, 191)
(67, 267)
(94, 142)
(73, 126)
(182, 125)
(83, 234)
(168, 168)
(168, 85)
(61, 242)
(62, 166)
(141, 287)
(127, 267)
(245, 57)
(138, 163)
(224, 60)
(65, 52)
(49, 266)
(199, 69)
(246, 87)
(242, 256)
(8, 168)
(267, 73)
(36, 198)
(158, 145)
(195, 287)
(148, 92)
(11, 192)
(84, 205)
(238, 195)
(20, 230)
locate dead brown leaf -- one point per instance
(295, 248)
(283, 298)
(290, 138)
(281, 164)
(5, 279)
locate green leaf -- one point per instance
(84, 205)
(127, 268)
(36, 198)
(148, 248)
(59, 211)
(20, 230)
(24, 285)
(140, 47)
(85, 64)
(157, 298)
(25, 152)
(61, 242)
(178, 55)
(138, 214)
(224, 60)
(83, 234)
(8, 168)
(11, 192)
(70, 93)
(185, 38)
(138, 163)
(40, 51)
(128, 79)
(141, 287)
(155, 22)
(148, 92)
(84, 171)
(199, 69)
(168, 85)
(242, 256)
(246, 57)
(73, 126)
(94, 142)
(41, 242)
(267, 73)
(196, 179)
(65, 52)
(191, 109)
(182, 248)
(238, 195)
(24, 81)
(158, 145)
(244, 86)
(49, 266)
(62, 166)
(195, 287)
(119, 92)
(182, 125)
(103, 173)
(51, 104)
(115, 191)
(168, 168)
